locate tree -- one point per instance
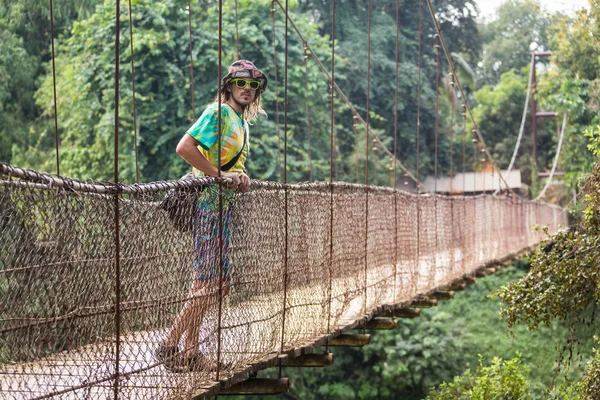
(521, 28)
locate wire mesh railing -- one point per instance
(62, 333)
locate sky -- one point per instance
(488, 7)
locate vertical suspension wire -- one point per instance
(116, 205)
(464, 177)
(367, 152)
(331, 164)
(310, 163)
(273, 9)
(135, 130)
(451, 173)
(54, 88)
(475, 236)
(237, 34)
(396, 151)
(485, 210)
(191, 59)
(418, 133)
(286, 211)
(452, 112)
(464, 147)
(435, 151)
(219, 174)
(354, 125)
(437, 112)
(419, 67)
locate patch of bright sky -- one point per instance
(489, 7)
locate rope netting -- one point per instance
(60, 325)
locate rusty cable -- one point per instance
(396, 150)
(418, 203)
(237, 35)
(54, 88)
(219, 174)
(191, 60)
(367, 149)
(135, 133)
(276, 90)
(116, 205)
(305, 57)
(331, 161)
(286, 245)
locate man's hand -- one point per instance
(239, 180)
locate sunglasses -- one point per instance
(241, 83)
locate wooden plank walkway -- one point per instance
(87, 372)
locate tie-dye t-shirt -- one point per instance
(205, 131)
(232, 126)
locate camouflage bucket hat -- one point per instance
(246, 69)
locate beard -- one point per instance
(242, 101)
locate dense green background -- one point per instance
(85, 29)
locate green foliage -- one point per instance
(520, 28)
(85, 72)
(564, 278)
(577, 43)
(572, 86)
(499, 380)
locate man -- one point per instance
(240, 94)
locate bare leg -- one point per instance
(192, 309)
(192, 333)
(191, 316)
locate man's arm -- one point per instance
(187, 148)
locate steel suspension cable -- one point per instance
(452, 115)
(419, 57)
(219, 174)
(191, 59)
(276, 90)
(116, 205)
(308, 114)
(331, 164)
(464, 146)
(451, 174)
(418, 134)
(354, 133)
(395, 179)
(237, 35)
(367, 149)
(435, 161)
(437, 112)
(54, 88)
(560, 141)
(342, 95)
(285, 131)
(474, 141)
(135, 134)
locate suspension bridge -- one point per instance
(92, 274)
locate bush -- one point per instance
(504, 380)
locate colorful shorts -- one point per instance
(206, 242)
